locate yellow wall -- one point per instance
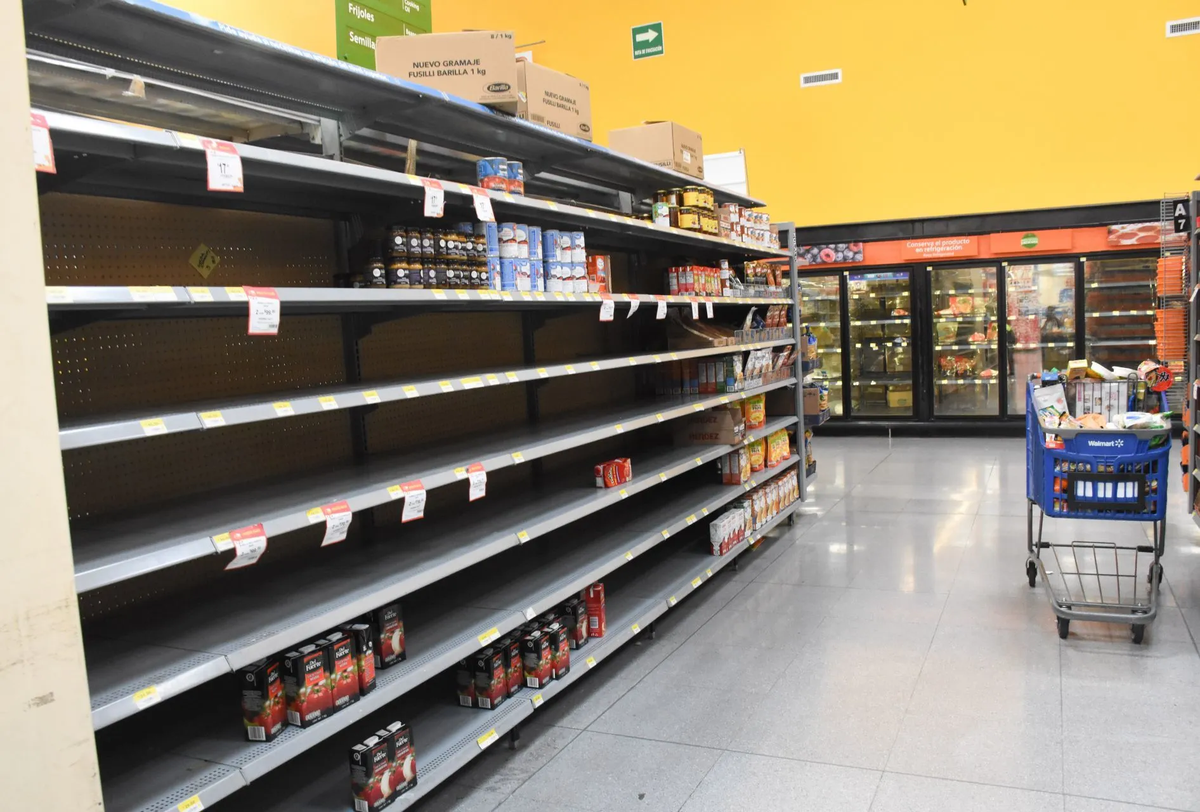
(944, 109)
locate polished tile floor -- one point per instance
(886, 654)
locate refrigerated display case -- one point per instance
(1120, 297)
(965, 331)
(1040, 305)
(880, 345)
(821, 314)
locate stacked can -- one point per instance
(537, 270)
(552, 260)
(493, 173)
(516, 177)
(491, 235)
(578, 262)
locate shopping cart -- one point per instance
(1110, 475)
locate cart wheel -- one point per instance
(1139, 631)
(1150, 575)
(1064, 627)
(1031, 571)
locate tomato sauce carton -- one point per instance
(371, 775)
(343, 670)
(387, 626)
(511, 647)
(597, 622)
(560, 649)
(491, 678)
(538, 659)
(575, 618)
(262, 700)
(403, 757)
(464, 676)
(364, 655)
(306, 685)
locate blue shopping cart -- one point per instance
(1110, 475)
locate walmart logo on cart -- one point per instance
(1116, 442)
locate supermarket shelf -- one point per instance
(870, 295)
(962, 319)
(180, 302)
(898, 320)
(1045, 344)
(275, 177)
(820, 419)
(154, 40)
(806, 298)
(124, 548)
(982, 345)
(820, 323)
(898, 341)
(175, 654)
(1110, 313)
(965, 381)
(218, 413)
(1131, 342)
(1141, 283)
(882, 379)
(157, 783)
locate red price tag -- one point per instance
(478, 477)
(414, 501)
(224, 166)
(435, 197)
(483, 205)
(249, 543)
(607, 308)
(337, 522)
(264, 311)
(43, 149)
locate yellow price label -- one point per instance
(211, 420)
(446, 386)
(659, 417)
(696, 582)
(491, 379)
(200, 294)
(518, 457)
(153, 426)
(203, 259)
(283, 408)
(147, 697)
(691, 519)
(671, 601)
(410, 392)
(629, 555)
(523, 536)
(537, 701)
(371, 396)
(662, 476)
(620, 427)
(666, 534)
(327, 402)
(487, 739)
(699, 461)
(624, 493)
(395, 491)
(636, 628)
(488, 636)
(595, 365)
(193, 804)
(472, 383)
(569, 368)
(438, 294)
(512, 377)
(591, 662)
(708, 572)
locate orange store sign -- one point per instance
(940, 248)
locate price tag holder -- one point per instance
(488, 636)
(283, 409)
(435, 197)
(224, 166)
(147, 697)
(193, 804)
(696, 582)
(483, 205)
(327, 402)
(43, 148)
(695, 309)
(708, 309)
(662, 310)
(485, 741)
(153, 426)
(478, 478)
(264, 311)
(608, 308)
(211, 420)
(591, 662)
(634, 304)
(249, 544)
(671, 601)
(635, 628)
(414, 501)
(371, 396)
(337, 522)
(537, 701)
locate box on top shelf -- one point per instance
(555, 100)
(479, 66)
(663, 143)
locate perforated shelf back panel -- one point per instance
(436, 343)
(110, 241)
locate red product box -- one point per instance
(613, 473)
(403, 754)
(306, 684)
(538, 659)
(262, 700)
(343, 670)
(514, 185)
(597, 623)
(364, 655)
(560, 649)
(464, 675)
(511, 646)
(387, 629)
(491, 678)
(575, 618)
(371, 775)
(494, 182)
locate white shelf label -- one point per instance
(662, 310)
(435, 197)
(487, 739)
(591, 662)
(708, 309)
(695, 309)
(636, 628)
(249, 543)
(264, 311)
(478, 478)
(43, 148)
(153, 426)
(284, 409)
(671, 601)
(634, 304)
(327, 402)
(224, 166)
(371, 396)
(483, 205)
(414, 501)
(608, 308)
(337, 522)
(537, 701)
(211, 420)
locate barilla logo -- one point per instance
(1117, 442)
(361, 13)
(499, 87)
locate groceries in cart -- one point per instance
(1092, 397)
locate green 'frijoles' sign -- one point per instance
(647, 40)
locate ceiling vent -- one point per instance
(1181, 28)
(825, 77)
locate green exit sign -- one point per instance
(647, 40)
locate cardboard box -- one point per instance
(554, 100)
(812, 400)
(479, 66)
(720, 426)
(899, 398)
(663, 143)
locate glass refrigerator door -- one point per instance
(821, 314)
(1040, 300)
(966, 342)
(1120, 297)
(881, 344)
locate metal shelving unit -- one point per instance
(1193, 366)
(177, 428)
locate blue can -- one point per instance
(495, 275)
(492, 234)
(535, 242)
(537, 273)
(524, 275)
(550, 252)
(492, 173)
(516, 171)
(578, 251)
(508, 274)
